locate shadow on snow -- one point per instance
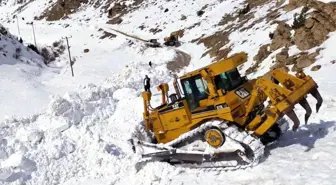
(306, 136)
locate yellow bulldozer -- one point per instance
(218, 119)
(173, 38)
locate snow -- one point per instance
(327, 1)
(74, 130)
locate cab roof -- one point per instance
(221, 66)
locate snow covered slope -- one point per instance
(81, 136)
(19, 72)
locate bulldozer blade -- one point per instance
(314, 92)
(175, 158)
(306, 106)
(291, 114)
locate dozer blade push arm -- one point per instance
(146, 96)
(283, 98)
(164, 88)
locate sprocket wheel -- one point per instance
(214, 137)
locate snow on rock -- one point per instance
(19, 72)
(81, 137)
(327, 1)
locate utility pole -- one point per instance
(32, 23)
(17, 22)
(71, 63)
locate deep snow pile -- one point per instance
(81, 137)
(88, 130)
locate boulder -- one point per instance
(263, 53)
(316, 68)
(317, 27)
(282, 37)
(282, 57)
(305, 60)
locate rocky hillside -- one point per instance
(292, 30)
(12, 51)
(81, 137)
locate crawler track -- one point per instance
(219, 160)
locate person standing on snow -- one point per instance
(147, 83)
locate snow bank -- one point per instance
(327, 1)
(81, 137)
(88, 129)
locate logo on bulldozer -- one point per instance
(242, 93)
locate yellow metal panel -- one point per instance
(254, 123)
(174, 119)
(268, 123)
(221, 66)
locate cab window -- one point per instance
(195, 89)
(228, 80)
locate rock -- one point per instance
(263, 53)
(245, 10)
(314, 32)
(280, 2)
(282, 37)
(316, 68)
(304, 39)
(183, 17)
(116, 20)
(277, 65)
(155, 30)
(116, 9)
(180, 61)
(309, 23)
(200, 13)
(291, 60)
(86, 50)
(142, 27)
(333, 62)
(282, 57)
(166, 10)
(107, 35)
(214, 43)
(305, 60)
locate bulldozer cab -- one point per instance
(228, 81)
(196, 88)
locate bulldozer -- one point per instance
(173, 38)
(217, 118)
